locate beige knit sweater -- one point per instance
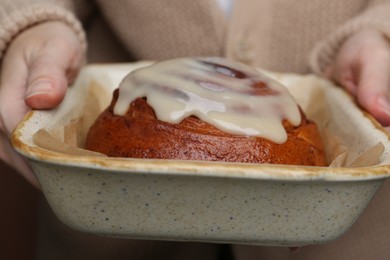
(278, 35)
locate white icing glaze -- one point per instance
(207, 88)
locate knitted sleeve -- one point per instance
(376, 17)
(18, 15)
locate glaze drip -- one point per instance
(231, 96)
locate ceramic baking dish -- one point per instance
(203, 201)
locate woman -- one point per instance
(43, 45)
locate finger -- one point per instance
(50, 73)
(343, 75)
(374, 86)
(8, 155)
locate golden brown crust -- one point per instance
(139, 134)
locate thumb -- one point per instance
(46, 87)
(50, 73)
(373, 88)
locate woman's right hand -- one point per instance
(36, 70)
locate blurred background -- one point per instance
(18, 218)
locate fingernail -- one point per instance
(39, 87)
(384, 104)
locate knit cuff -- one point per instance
(325, 51)
(14, 21)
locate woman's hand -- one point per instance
(362, 66)
(36, 70)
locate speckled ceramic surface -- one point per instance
(203, 201)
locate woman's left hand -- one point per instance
(362, 66)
